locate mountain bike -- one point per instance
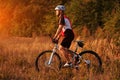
(51, 60)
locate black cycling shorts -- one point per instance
(68, 37)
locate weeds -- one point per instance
(17, 57)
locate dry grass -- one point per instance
(17, 57)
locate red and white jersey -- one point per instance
(67, 24)
(65, 21)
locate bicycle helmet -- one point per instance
(60, 7)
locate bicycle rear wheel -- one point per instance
(93, 57)
(42, 60)
(91, 63)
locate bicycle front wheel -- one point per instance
(42, 60)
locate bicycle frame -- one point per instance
(56, 47)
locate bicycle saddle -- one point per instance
(80, 43)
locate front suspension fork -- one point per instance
(52, 54)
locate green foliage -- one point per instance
(86, 13)
(25, 17)
(112, 26)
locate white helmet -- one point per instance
(60, 7)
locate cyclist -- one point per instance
(64, 30)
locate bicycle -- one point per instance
(51, 60)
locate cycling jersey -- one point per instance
(66, 31)
(66, 24)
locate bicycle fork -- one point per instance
(49, 62)
(51, 56)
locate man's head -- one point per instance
(59, 9)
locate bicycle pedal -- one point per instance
(78, 62)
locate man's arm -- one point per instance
(58, 32)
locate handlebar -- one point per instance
(53, 40)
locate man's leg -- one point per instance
(66, 54)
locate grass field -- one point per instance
(18, 54)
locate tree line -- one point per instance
(25, 17)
